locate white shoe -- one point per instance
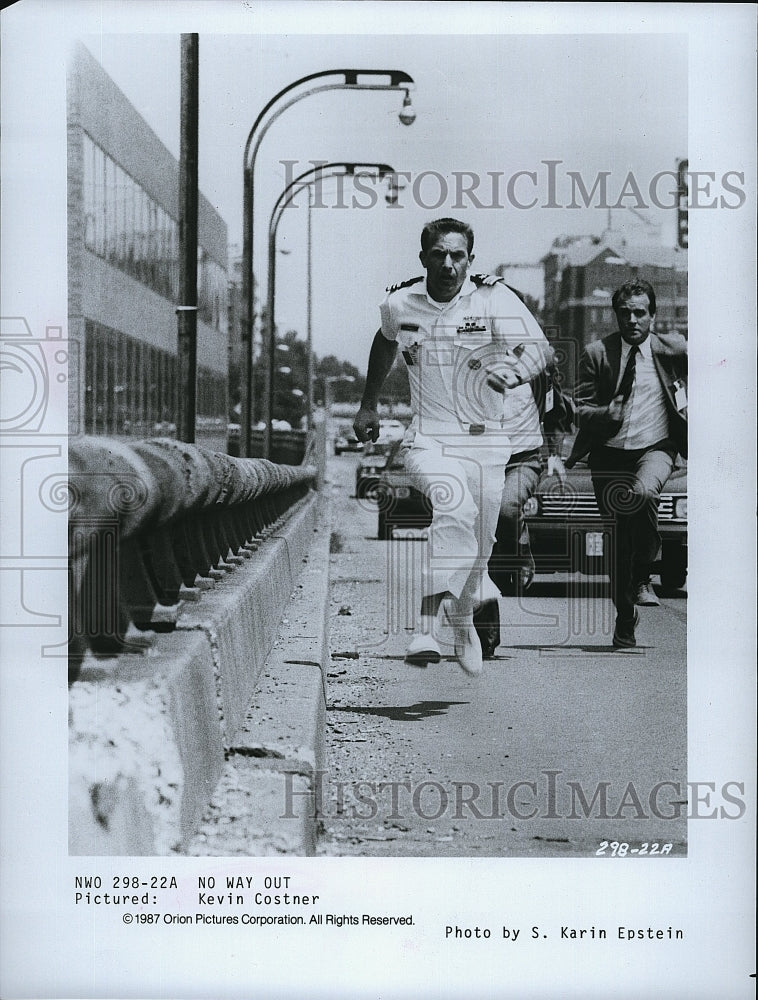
(468, 649)
(421, 650)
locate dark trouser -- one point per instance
(628, 488)
(511, 550)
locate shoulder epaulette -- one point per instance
(485, 279)
(404, 284)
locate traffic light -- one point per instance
(682, 226)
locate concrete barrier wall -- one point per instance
(150, 730)
(150, 519)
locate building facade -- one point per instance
(581, 274)
(123, 271)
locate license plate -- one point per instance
(593, 542)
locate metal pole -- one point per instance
(187, 310)
(248, 307)
(271, 339)
(309, 314)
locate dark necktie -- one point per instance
(627, 379)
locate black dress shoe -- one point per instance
(487, 625)
(646, 597)
(623, 634)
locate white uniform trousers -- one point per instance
(462, 475)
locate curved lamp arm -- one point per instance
(398, 80)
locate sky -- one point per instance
(486, 104)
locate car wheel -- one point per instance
(384, 527)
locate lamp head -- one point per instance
(407, 113)
(394, 187)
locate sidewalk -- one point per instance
(263, 805)
(157, 735)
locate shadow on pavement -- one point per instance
(593, 587)
(577, 647)
(402, 713)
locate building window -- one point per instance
(130, 387)
(129, 229)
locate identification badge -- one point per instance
(471, 324)
(680, 395)
(549, 399)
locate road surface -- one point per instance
(563, 747)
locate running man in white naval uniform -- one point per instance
(466, 340)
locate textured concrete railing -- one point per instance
(287, 447)
(150, 521)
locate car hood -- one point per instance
(579, 480)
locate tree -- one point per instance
(347, 383)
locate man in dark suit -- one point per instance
(549, 415)
(631, 409)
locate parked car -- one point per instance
(567, 534)
(345, 440)
(400, 505)
(371, 464)
(565, 529)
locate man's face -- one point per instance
(447, 262)
(634, 319)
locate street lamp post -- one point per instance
(309, 311)
(304, 180)
(339, 79)
(188, 200)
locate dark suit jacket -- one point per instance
(599, 370)
(559, 419)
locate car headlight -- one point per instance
(531, 507)
(680, 508)
(402, 492)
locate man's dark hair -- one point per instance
(634, 287)
(433, 230)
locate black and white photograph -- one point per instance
(378, 468)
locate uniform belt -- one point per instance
(435, 428)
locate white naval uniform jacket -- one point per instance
(449, 347)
